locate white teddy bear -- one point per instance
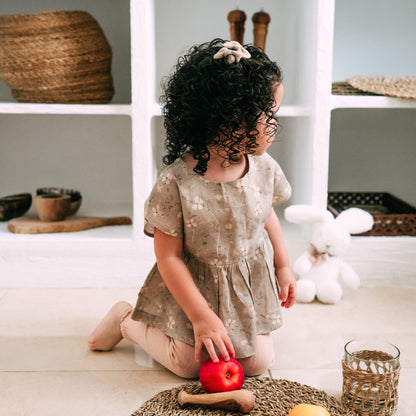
(320, 270)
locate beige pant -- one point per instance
(179, 357)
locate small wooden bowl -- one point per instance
(13, 206)
(76, 197)
(52, 207)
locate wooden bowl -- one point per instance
(52, 207)
(76, 197)
(14, 206)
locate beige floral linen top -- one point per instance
(226, 249)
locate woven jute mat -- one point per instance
(343, 88)
(400, 87)
(273, 397)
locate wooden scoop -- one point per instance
(236, 400)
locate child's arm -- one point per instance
(285, 277)
(208, 327)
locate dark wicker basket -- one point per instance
(392, 216)
(55, 57)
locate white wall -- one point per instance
(374, 37)
(374, 151)
(89, 153)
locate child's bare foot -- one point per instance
(107, 334)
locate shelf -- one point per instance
(110, 234)
(285, 111)
(356, 101)
(113, 158)
(87, 109)
(107, 234)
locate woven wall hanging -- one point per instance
(55, 57)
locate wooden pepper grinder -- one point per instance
(237, 19)
(260, 22)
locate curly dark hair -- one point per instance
(211, 103)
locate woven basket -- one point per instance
(392, 216)
(55, 57)
(370, 384)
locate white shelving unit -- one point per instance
(112, 152)
(85, 109)
(371, 138)
(343, 101)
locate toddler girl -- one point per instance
(217, 240)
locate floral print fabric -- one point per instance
(226, 249)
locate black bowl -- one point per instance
(13, 206)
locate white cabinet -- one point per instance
(112, 152)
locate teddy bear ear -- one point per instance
(303, 214)
(355, 220)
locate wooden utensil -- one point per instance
(237, 19)
(32, 225)
(261, 21)
(236, 400)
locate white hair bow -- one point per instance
(233, 52)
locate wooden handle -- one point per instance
(237, 19)
(261, 21)
(236, 400)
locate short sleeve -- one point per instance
(163, 208)
(282, 190)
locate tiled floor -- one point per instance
(47, 369)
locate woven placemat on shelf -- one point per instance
(343, 88)
(393, 86)
(273, 397)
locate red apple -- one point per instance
(221, 376)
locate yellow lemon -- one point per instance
(308, 410)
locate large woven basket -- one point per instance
(55, 57)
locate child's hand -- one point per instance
(210, 332)
(287, 284)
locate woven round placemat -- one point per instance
(273, 397)
(343, 88)
(400, 87)
(56, 57)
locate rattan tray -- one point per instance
(392, 216)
